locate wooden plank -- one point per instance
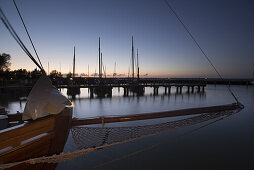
(35, 148)
(16, 141)
(43, 125)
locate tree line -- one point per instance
(21, 74)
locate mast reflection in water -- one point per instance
(224, 144)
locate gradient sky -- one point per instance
(224, 28)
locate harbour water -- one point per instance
(225, 144)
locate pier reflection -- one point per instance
(108, 92)
(118, 99)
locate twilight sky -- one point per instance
(223, 28)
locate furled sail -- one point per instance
(44, 99)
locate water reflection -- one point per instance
(222, 145)
(126, 92)
(232, 135)
(118, 103)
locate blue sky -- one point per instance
(224, 28)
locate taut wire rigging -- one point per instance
(195, 41)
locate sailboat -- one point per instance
(73, 89)
(43, 128)
(44, 133)
(102, 89)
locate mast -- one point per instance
(73, 64)
(101, 66)
(99, 57)
(137, 65)
(132, 57)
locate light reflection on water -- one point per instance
(226, 144)
(118, 104)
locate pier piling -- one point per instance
(91, 92)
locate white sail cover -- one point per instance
(44, 99)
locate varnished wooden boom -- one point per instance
(143, 116)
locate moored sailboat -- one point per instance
(43, 128)
(51, 128)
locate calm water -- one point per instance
(225, 144)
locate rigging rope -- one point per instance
(195, 41)
(16, 37)
(27, 33)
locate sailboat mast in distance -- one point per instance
(99, 57)
(132, 57)
(73, 64)
(101, 66)
(137, 65)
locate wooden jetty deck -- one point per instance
(133, 85)
(138, 85)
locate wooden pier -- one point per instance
(137, 87)
(103, 86)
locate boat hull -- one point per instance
(43, 137)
